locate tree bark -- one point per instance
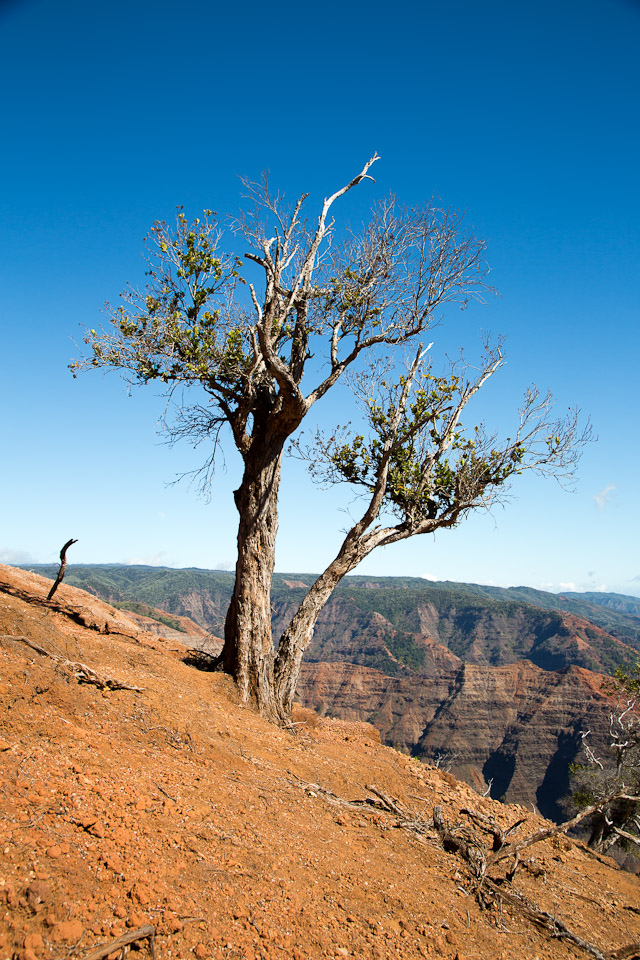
(248, 645)
(299, 633)
(297, 638)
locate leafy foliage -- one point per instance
(174, 331)
(237, 355)
(419, 463)
(414, 487)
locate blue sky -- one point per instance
(525, 115)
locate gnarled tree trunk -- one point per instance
(299, 633)
(248, 648)
(297, 638)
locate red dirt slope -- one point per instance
(177, 807)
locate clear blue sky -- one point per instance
(525, 114)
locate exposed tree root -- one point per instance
(81, 672)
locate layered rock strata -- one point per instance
(517, 727)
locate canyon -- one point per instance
(141, 804)
(496, 686)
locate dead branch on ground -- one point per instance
(457, 840)
(549, 922)
(471, 851)
(81, 672)
(476, 857)
(492, 826)
(512, 849)
(147, 932)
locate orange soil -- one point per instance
(177, 806)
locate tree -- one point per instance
(254, 354)
(612, 783)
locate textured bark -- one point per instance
(299, 633)
(348, 302)
(361, 539)
(248, 648)
(297, 638)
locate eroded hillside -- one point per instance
(383, 622)
(512, 729)
(493, 685)
(173, 806)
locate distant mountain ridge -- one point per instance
(384, 622)
(620, 602)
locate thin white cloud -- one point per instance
(156, 560)
(429, 576)
(568, 586)
(7, 555)
(604, 496)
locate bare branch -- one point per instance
(613, 781)
(63, 567)
(513, 848)
(310, 261)
(81, 672)
(147, 932)
(319, 304)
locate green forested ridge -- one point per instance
(144, 610)
(161, 587)
(615, 613)
(477, 623)
(613, 601)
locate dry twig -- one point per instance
(81, 671)
(148, 932)
(514, 848)
(476, 856)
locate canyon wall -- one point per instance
(516, 726)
